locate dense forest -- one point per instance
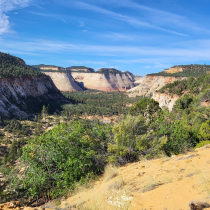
(11, 66)
(94, 102)
(194, 70)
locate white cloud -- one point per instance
(4, 23)
(7, 6)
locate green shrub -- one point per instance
(123, 149)
(146, 106)
(201, 144)
(150, 146)
(183, 102)
(59, 158)
(204, 131)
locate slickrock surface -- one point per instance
(168, 183)
(165, 100)
(104, 82)
(64, 81)
(18, 94)
(150, 84)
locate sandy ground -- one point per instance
(165, 184)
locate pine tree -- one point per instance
(13, 151)
(4, 161)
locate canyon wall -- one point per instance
(150, 84)
(20, 96)
(64, 81)
(104, 82)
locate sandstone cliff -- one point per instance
(20, 96)
(165, 100)
(64, 81)
(104, 82)
(149, 84)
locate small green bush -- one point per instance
(201, 144)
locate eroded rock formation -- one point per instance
(19, 96)
(150, 84)
(64, 81)
(165, 100)
(104, 82)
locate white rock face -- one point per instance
(150, 84)
(104, 82)
(17, 93)
(165, 100)
(64, 81)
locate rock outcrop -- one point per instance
(165, 100)
(173, 70)
(104, 81)
(64, 81)
(150, 84)
(20, 96)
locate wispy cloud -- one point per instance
(81, 23)
(64, 21)
(160, 17)
(197, 51)
(128, 19)
(7, 6)
(117, 36)
(77, 62)
(84, 31)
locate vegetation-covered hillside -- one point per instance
(80, 68)
(53, 68)
(191, 85)
(43, 65)
(53, 163)
(193, 70)
(11, 66)
(109, 70)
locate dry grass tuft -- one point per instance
(206, 181)
(107, 200)
(118, 184)
(111, 171)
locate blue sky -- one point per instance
(141, 36)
